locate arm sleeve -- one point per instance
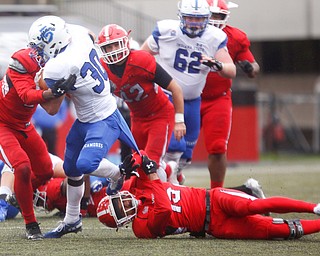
(162, 77)
(158, 218)
(26, 87)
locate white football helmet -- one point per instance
(114, 34)
(219, 13)
(193, 9)
(117, 210)
(48, 36)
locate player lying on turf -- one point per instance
(158, 209)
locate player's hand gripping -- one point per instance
(128, 168)
(62, 86)
(148, 166)
(246, 66)
(212, 63)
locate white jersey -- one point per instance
(91, 96)
(180, 55)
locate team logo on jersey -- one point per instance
(173, 32)
(46, 34)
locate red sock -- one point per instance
(310, 226)
(24, 192)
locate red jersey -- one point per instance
(19, 97)
(95, 199)
(136, 86)
(166, 209)
(54, 197)
(238, 46)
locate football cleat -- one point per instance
(33, 231)
(316, 209)
(115, 186)
(3, 210)
(65, 228)
(255, 188)
(174, 172)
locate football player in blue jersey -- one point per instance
(188, 49)
(99, 123)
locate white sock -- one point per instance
(316, 209)
(162, 174)
(173, 156)
(74, 195)
(107, 169)
(5, 190)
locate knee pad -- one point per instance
(217, 147)
(295, 227)
(86, 166)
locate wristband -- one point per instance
(179, 118)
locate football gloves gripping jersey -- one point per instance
(62, 86)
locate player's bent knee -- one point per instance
(218, 147)
(45, 176)
(85, 166)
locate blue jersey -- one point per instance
(91, 94)
(180, 55)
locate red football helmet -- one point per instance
(113, 41)
(219, 13)
(117, 210)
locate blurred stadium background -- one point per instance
(278, 112)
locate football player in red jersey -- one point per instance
(21, 147)
(158, 209)
(216, 104)
(138, 79)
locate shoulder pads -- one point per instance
(17, 66)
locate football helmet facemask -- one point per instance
(113, 41)
(40, 200)
(194, 16)
(219, 13)
(48, 36)
(117, 210)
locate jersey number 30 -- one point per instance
(97, 72)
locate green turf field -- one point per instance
(295, 177)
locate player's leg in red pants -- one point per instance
(18, 148)
(237, 215)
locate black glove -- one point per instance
(62, 86)
(148, 166)
(246, 66)
(213, 64)
(128, 168)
